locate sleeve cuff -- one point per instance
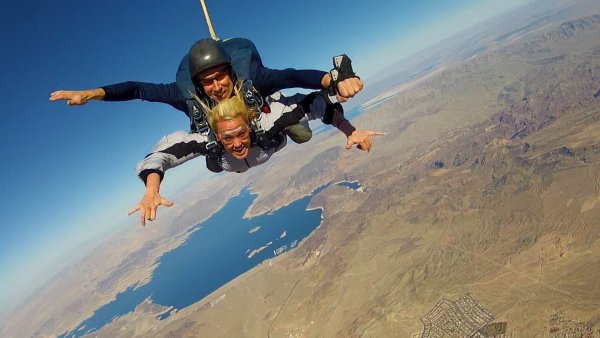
(144, 174)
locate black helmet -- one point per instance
(205, 54)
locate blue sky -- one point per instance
(68, 173)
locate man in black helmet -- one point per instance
(206, 58)
(210, 70)
(245, 64)
(213, 77)
(213, 68)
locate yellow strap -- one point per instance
(210, 27)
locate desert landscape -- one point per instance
(478, 215)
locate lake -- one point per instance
(224, 246)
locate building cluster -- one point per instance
(464, 317)
(561, 326)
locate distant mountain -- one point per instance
(568, 30)
(491, 34)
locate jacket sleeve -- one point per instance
(172, 150)
(316, 106)
(153, 92)
(302, 105)
(267, 81)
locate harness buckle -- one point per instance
(212, 144)
(253, 98)
(203, 128)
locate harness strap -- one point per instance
(214, 151)
(253, 99)
(198, 123)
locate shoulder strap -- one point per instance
(199, 124)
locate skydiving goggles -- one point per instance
(228, 136)
(219, 76)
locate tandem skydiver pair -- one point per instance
(222, 97)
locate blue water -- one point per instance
(214, 255)
(351, 185)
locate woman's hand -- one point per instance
(151, 200)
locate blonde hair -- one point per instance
(227, 109)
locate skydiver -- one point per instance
(234, 124)
(228, 61)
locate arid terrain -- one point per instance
(481, 205)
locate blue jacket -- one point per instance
(266, 81)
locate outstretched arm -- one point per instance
(151, 200)
(171, 151)
(78, 97)
(316, 105)
(267, 81)
(360, 138)
(131, 90)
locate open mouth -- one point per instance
(239, 150)
(220, 95)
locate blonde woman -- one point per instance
(239, 141)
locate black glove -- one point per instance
(268, 140)
(342, 70)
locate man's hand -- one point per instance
(148, 206)
(345, 89)
(362, 138)
(348, 88)
(78, 97)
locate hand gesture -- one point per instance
(149, 205)
(362, 138)
(77, 97)
(348, 88)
